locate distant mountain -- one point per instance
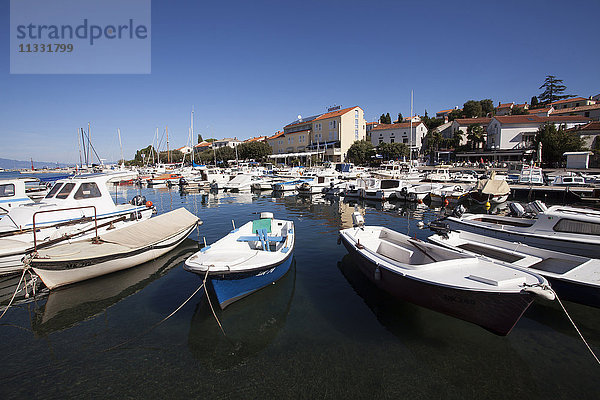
(16, 164)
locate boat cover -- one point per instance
(137, 236)
(495, 187)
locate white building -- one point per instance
(399, 133)
(462, 124)
(518, 131)
(225, 142)
(185, 149)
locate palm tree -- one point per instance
(475, 135)
(457, 137)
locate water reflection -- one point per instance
(68, 306)
(250, 324)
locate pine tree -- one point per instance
(553, 90)
(388, 119)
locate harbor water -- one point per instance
(322, 331)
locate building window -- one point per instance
(404, 140)
(356, 134)
(392, 140)
(380, 140)
(355, 113)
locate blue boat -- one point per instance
(247, 259)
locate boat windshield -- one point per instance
(389, 184)
(7, 190)
(54, 189)
(87, 190)
(65, 191)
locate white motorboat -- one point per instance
(568, 180)
(560, 228)
(439, 175)
(464, 177)
(317, 185)
(13, 194)
(452, 194)
(249, 258)
(290, 185)
(74, 208)
(574, 278)
(386, 190)
(354, 190)
(419, 192)
(480, 291)
(531, 175)
(239, 183)
(113, 251)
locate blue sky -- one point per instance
(250, 67)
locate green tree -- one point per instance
(254, 150)
(388, 119)
(433, 139)
(455, 114)
(472, 109)
(553, 90)
(199, 138)
(360, 152)
(518, 111)
(487, 107)
(225, 153)
(431, 123)
(392, 151)
(534, 102)
(475, 135)
(555, 141)
(399, 118)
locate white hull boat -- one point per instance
(560, 228)
(114, 251)
(574, 278)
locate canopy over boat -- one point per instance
(493, 187)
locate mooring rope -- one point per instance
(159, 322)
(210, 303)
(576, 328)
(15, 293)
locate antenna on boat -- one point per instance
(121, 145)
(411, 130)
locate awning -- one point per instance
(304, 154)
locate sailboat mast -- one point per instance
(168, 152)
(411, 130)
(79, 147)
(89, 155)
(121, 145)
(192, 136)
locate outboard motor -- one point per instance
(535, 207)
(138, 200)
(439, 227)
(516, 209)
(458, 211)
(182, 181)
(357, 219)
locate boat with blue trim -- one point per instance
(248, 259)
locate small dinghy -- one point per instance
(247, 259)
(573, 277)
(114, 251)
(491, 295)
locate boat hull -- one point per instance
(561, 245)
(496, 312)
(232, 287)
(56, 274)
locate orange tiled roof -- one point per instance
(203, 144)
(577, 109)
(276, 135)
(592, 126)
(505, 105)
(469, 121)
(255, 139)
(336, 113)
(444, 111)
(534, 119)
(395, 126)
(569, 100)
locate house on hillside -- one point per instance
(591, 111)
(462, 124)
(185, 149)
(226, 142)
(590, 133)
(504, 108)
(571, 103)
(400, 133)
(517, 132)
